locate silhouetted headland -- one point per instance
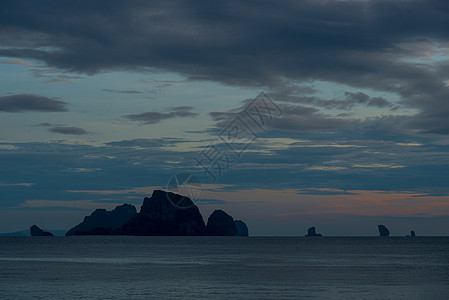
(383, 231)
(162, 214)
(36, 231)
(311, 232)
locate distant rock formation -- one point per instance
(102, 221)
(220, 223)
(311, 232)
(159, 216)
(36, 231)
(242, 229)
(412, 233)
(383, 231)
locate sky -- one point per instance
(285, 114)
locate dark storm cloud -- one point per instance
(156, 117)
(29, 102)
(362, 44)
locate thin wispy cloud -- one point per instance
(121, 92)
(63, 129)
(156, 117)
(15, 62)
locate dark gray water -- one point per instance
(224, 267)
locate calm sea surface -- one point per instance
(224, 268)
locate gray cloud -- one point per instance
(62, 129)
(30, 102)
(142, 143)
(301, 118)
(156, 117)
(68, 130)
(350, 100)
(121, 92)
(44, 72)
(362, 44)
(294, 118)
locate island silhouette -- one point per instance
(383, 230)
(311, 232)
(162, 214)
(36, 231)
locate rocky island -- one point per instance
(36, 231)
(162, 214)
(311, 232)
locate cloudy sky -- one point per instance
(102, 102)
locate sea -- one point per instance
(126, 267)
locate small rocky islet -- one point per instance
(36, 231)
